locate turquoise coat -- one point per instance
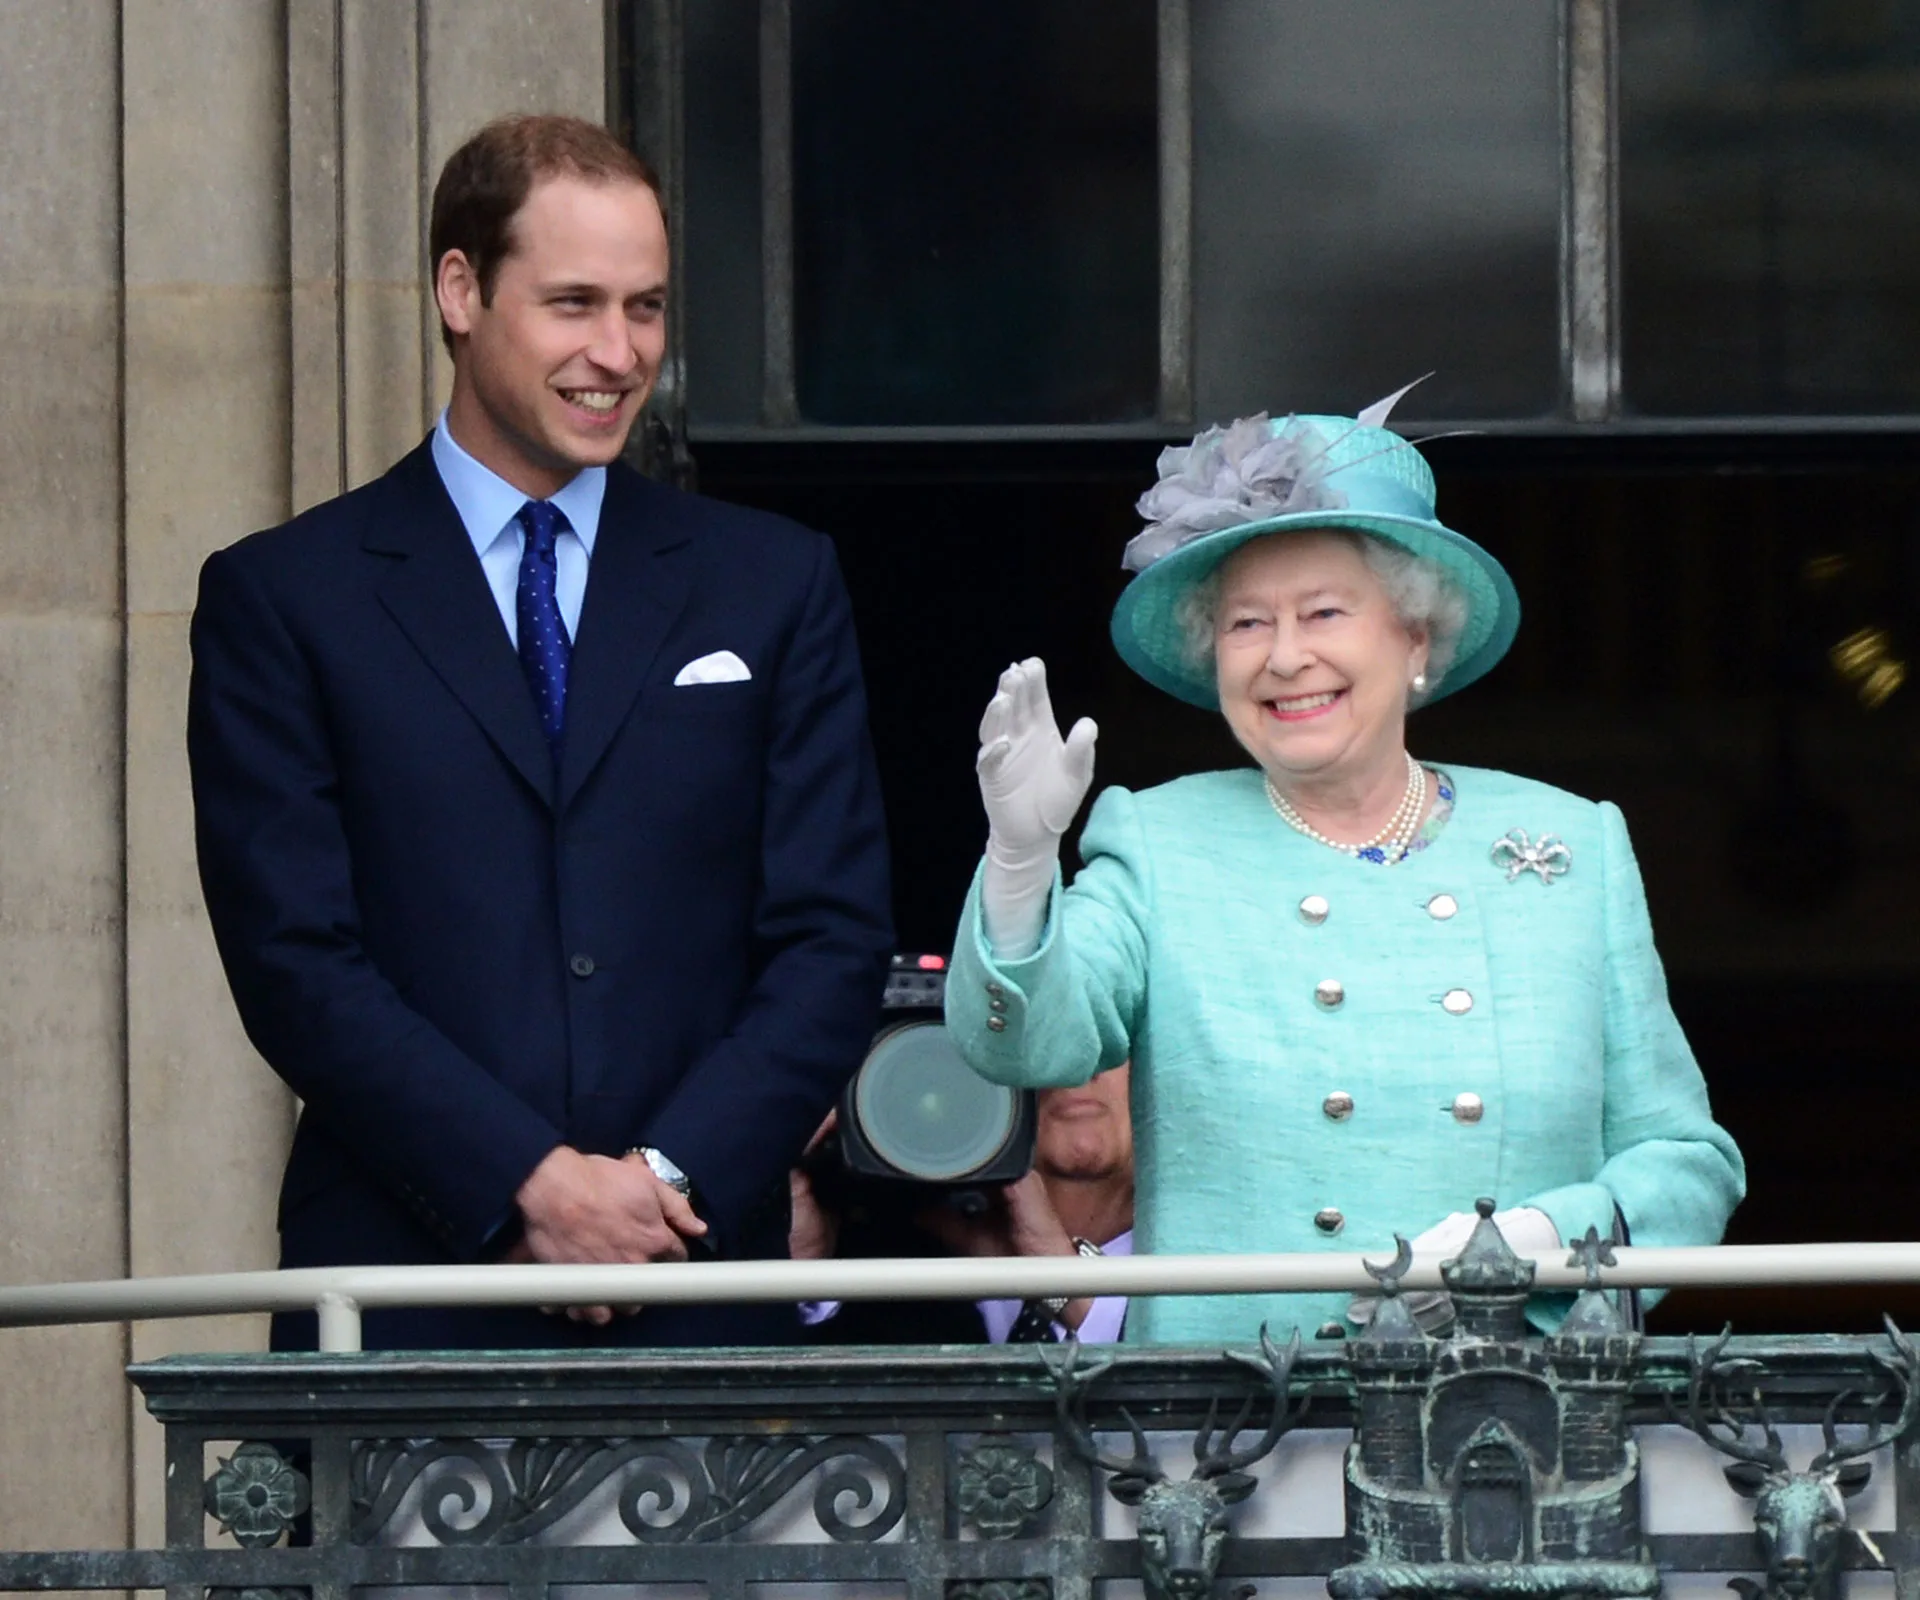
(1182, 945)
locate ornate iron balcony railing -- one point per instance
(939, 1474)
(1493, 1462)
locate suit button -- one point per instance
(1313, 910)
(1442, 906)
(1338, 1106)
(997, 1024)
(996, 1005)
(995, 992)
(1330, 993)
(1330, 1330)
(1329, 1220)
(1468, 1107)
(581, 966)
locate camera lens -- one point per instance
(923, 1110)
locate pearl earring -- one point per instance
(1419, 683)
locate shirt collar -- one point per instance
(488, 504)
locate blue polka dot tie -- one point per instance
(545, 650)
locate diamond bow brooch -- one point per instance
(1517, 853)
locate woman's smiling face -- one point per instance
(1312, 663)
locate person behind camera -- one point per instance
(1358, 990)
(1076, 1200)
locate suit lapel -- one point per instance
(439, 596)
(637, 586)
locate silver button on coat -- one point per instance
(1328, 1220)
(1468, 1107)
(1313, 910)
(1338, 1106)
(997, 1024)
(1456, 1002)
(1442, 906)
(1330, 993)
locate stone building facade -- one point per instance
(211, 316)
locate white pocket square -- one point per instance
(723, 666)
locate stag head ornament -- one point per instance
(1801, 1517)
(1183, 1523)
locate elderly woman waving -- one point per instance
(1357, 989)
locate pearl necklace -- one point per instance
(1391, 844)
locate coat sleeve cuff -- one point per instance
(988, 998)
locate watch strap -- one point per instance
(1053, 1305)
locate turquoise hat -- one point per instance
(1265, 475)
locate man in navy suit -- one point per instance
(536, 809)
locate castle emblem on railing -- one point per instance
(1488, 1463)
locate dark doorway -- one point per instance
(1704, 621)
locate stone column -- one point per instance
(63, 1415)
(208, 376)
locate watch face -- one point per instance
(666, 1171)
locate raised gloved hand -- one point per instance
(1032, 782)
(1529, 1233)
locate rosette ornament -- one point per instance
(256, 1495)
(1001, 1486)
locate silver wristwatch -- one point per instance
(1051, 1306)
(664, 1170)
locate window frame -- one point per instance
(647, 65)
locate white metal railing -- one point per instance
(340, 1294)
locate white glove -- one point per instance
(1529, 1233)
(1032, 782)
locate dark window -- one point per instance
(976, 214)
(976, 228)
(1376, 191)
(717, 244)
(1376, 195)
(1770, 206)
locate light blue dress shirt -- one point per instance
(489, 509)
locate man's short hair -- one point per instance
(487, 180)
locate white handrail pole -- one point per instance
(339, 1323)
(342, 1294)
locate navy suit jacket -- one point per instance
(461, 953)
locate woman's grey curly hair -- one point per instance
(1424, 596)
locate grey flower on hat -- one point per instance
(1245, 472)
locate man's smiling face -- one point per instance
(552, 368)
